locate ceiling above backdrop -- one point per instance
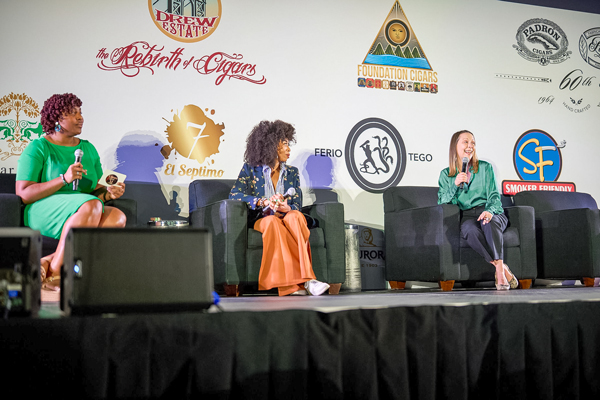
(589, 6)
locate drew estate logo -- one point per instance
(543, 41)
(538, 162)
(375, 155)
(186, 20)
(195, 137)
(396, 60)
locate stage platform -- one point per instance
(423, 343)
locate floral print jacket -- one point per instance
(250, 186)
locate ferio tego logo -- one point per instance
(538, 162)
(186, 20)
(375, 155)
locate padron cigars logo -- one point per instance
(16, 134)
(538, 162)
(186, 20)
(375, 155)
(396, 60)
(196, 138)
(589, 47)
(543, 41)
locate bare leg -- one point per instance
(500, 274)
(112, 218)
(88, 216)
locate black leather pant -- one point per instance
(484, 239)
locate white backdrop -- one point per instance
(309, 53)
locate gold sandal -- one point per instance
(514, 283)
(51, 283)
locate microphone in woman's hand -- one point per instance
(288, 195)
(464, 169)
(78, 155)
(290, 192)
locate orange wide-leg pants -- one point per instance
(286, 260)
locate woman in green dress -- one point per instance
(45, 175)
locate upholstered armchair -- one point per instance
(11, 210)
(568, 234)
(237, 247)
(423, 241)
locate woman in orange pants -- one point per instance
(262, 182)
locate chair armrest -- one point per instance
(423, 243)
(227, 221)
(10, 210)
(523, 218)
(331, 220)
(129, 208)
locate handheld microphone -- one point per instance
(464, 169)
(288, 195)
(78, 155)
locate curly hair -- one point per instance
(55, 107)
(264, 139)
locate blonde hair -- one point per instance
(454, 162)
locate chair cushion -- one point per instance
(543, 201)
(510, 236)
(206, 191)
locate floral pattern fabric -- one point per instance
(250, 186)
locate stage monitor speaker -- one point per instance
(125, 270)
(20, 253)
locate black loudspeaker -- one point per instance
(136, 270)
(20, 253)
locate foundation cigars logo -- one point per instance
(396, 60)
(195, 138)
(186, 20)
(538, 162)
(543, 41)
(375, 155)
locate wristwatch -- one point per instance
(65, 183)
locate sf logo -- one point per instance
(537, 156)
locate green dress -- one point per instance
(43, 161)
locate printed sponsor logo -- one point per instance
(396, 56)
(17, 133)
(589, 47)
(193, 141)
(375, 155)
(140, 56)
(543, 41)
(186, 20)
(538, 162)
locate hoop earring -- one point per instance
(57, 127)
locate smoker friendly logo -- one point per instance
(196, 138)
(538, 162)
(186, 20)
(396, 60)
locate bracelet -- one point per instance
(65, 183)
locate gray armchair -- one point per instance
(11, 210)
(568, 234)
(423, 241)
(237, 248)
